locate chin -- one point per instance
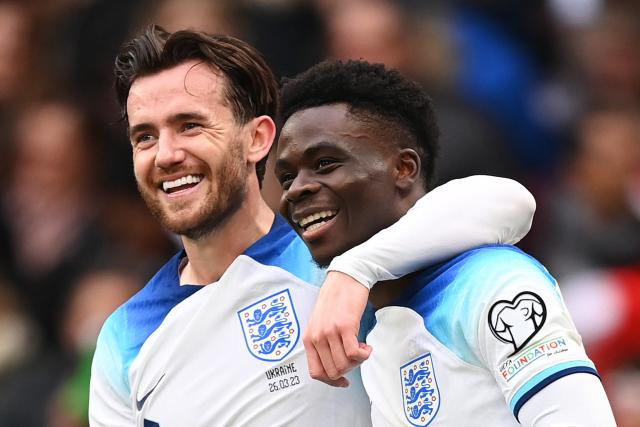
(324, 255)
(322, 263)
(324, 258)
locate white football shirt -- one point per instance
(470, 342)
(226, 354)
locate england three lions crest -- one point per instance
(270, 327)
(420, 394)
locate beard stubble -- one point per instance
(215, 209)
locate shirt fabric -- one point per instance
(470, 342)
(226, 354)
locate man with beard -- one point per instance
(213, 338)
(453, 342)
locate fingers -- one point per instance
(320, 358)
(330, 356)
(331, 337)
(316, 369)
(340, 382)
(338, 362)
(354, 350)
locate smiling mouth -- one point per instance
(314, 221)
(181, 184)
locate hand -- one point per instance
(331, 338)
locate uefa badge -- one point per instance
(420, 393)
(270, 327)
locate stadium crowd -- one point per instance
(545, 92)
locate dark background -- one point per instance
(545, 92)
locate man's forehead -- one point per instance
(330, 120)
(194, 77)
(331, 127)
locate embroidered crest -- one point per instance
(515, 322)
(270, 327)
(420, 394)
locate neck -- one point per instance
(385, 293)
(210, 256)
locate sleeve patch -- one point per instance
(517, 321)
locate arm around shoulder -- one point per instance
(457, 216)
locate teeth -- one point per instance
(315, 226)
(314, 217)
(189, 179)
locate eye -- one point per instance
(142, 138)
(190, 126)
(326, 164)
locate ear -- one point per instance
(408, 168)
(263, 132)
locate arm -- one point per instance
(574, 400)
(527, 340)
(456, 216)
(105, 406)
(452, 218)
(109, 404)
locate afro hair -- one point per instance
(374, 94)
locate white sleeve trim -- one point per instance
(457, 216)
(574, 400)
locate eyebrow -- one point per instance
(310, 151)
(176, 118)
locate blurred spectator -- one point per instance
(606, 55)
(605, 305)
(79, 39)
(421, 44)
(591, 218)
(289, 33)
(598, 43)
(15, 36)
(50, 207)
(375, 30)
(52, 390)
(497, 74)
(622, 390)
(15, 54)
(97, 294)
(18, 338)
(136, 239)
(203, 15)
(508, 79)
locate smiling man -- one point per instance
(214, 338)
(482, 339)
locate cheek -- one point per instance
(370, 200)
(365, 185)
(141, 165)
(283, 206)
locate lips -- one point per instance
(312, 223)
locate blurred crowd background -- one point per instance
(543, 91)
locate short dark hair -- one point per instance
(374, 94)
(251, 89)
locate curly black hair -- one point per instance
(381, 97)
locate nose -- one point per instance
(302, 187)
(169, 152)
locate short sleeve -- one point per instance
(526, 337)
(109, 402)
